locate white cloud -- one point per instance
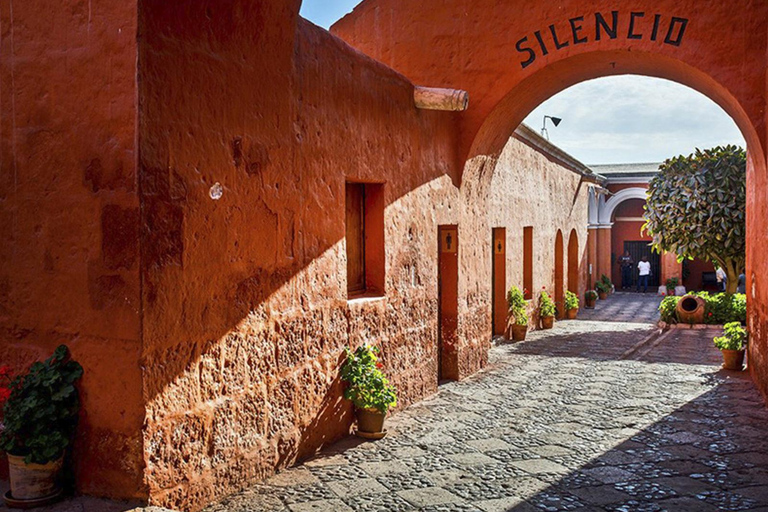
(626, 119)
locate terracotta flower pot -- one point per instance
(589, 303)
(602, 295)
(571, 314)
(370, 420)
(547, 322)
(690, 310)
(34, 481)
(519, 332)
(733, 360)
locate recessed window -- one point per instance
(365, 239)
(528, 261)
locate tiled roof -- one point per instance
(624, 169)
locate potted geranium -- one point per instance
(368, 389)
(518, 314)
(547, 310)
(590, 297)
(571, 305)
(732, 344)
(671, 284)
(39, 421)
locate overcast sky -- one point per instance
(622, 119)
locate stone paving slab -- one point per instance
(559, 422)
(625, 307)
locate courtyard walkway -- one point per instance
(625, 307)
(576, 418)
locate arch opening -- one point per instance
(573, 262)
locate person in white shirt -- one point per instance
(644, 268)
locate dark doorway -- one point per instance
(448, 291)
(639, 249)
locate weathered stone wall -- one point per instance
(246, 310)
(69, 217)
(530, 189)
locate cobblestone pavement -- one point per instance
(560, 422)
(625, 307)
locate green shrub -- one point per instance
(722, 308)
(668, 310)
(672, 283)
(571, 301)
(590, 295)
(368, 387)
(735, 337)
(517, 305)
(546, 305)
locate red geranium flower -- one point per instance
(5, 371)
(5, 394)
(379, 365)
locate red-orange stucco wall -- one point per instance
(69, 218)
(246, 309)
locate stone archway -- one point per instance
(605, 214)
(511, 63)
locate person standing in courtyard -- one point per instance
(722, 278)
(626, 263)
(644, 271)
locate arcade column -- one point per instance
(603, 251)
(592, 256)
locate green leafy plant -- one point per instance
(517, 305)
(668, 309)
(546, 305)
(602, 287)
(40, 415)
(606, 281)
(722, 308)
(368, 386)
(696, 208)
(672, 283)
(734, 338)
(590, 295)
(571, 300)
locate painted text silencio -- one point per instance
(668, 30)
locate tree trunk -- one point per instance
(732, 276)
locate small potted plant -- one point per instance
(607, 282)
(368, 389)
(39, 421)
(732, 345)
(571, 305)
(602, 289)
(590, 297)
(671, 284)
(518, 314)
(547, 311)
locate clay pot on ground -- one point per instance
(33, 484)
(547, 322)
(370, 421)
(589, 303)
(733, 359)
(518, 332)
(571, 314)
(690, 310)
(602, 295)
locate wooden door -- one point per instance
(448, 290)
(499, 299)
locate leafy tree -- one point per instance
(696, 208)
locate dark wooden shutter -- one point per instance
(355, 218)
